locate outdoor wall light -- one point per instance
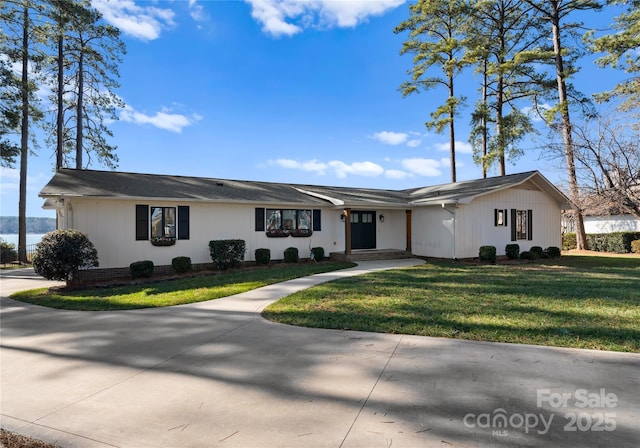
(381, 217)
(341, 217)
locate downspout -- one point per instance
(453, 214)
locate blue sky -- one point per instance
(283, 91)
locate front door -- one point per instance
(363, 229)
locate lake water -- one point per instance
(32, 238)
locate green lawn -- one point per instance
(174, 292)
(575, 301)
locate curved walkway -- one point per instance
(216, 374)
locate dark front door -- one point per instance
(363, 230)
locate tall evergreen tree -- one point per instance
(622, 50)
(555, 14)
(436, 39)
(19, 101)
(85, 64)
(504, 37)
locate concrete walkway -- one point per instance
(215, 374)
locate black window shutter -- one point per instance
(504, 212)
(142, 222)
(529, 225)
(317, 220)
(513, 224)
(183, 222)
(259, 219)
(495, 217)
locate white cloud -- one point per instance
(422, 167)
(461, 147)
(397, 174)
(369, 169)
(390, 138)
(163, 119)
(141, 22)
(197, 11)
(276, 16)
(11, 181)
(310, 165)
(414, 143)
(533, 114)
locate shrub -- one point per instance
(140, 269)
(62, 253)
(619, 242)
(227, 253)
(8, 253)
(488, 253)
(263, 256)
(512, 251)
(181, 264)
(553, 252)
(539, 251)
(635, 246)
(291, 255)
(526, 255)
(569, 241)
(318, 253)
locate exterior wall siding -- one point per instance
(610, 224)
(433, 226)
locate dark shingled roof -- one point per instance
(111, 184)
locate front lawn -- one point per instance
(576, 301)
(173, 292)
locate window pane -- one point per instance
(156, 222)
(355, 218)
(288, 219)
(169, 222)
(304, 219)
(521, 225)
(274, 220)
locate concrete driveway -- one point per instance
(215, 374)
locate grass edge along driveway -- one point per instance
(589, 302)
(178, 291)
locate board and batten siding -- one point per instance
(111, 227)
(476, 223)
(433, 226)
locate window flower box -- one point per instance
(277, 233)
(301, 233)
(163, 241)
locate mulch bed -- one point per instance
(10, 439)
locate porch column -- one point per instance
(347, 231)
(408, 229)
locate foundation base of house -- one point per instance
(370, 255)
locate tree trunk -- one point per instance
(484, 120)
(79, 109)
(60, 117)
(24, 139)
(452, 133)
(499, 130)
(566, 129)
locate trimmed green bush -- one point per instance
(539, 251)
(263, 256)
(488, 253)
(227, 253)
(181, 264)
(635, 246)
(318, 253)
(512, 251)
(8, 253)
(553, 252)
(291, 255)
(569, 241)
(62, 253)
(141, 269)
(526, 255)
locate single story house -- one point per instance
(131, 216)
